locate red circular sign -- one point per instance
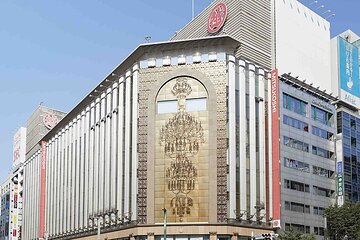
(50, 120)
(217, 18)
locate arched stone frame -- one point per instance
(212, 139)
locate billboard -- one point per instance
(348, 57)
(19, 147)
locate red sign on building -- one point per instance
(275, 147)
(217, 18)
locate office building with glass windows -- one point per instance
(307, 155)
(348, 149)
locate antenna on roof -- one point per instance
(327, 11)
(313, 3)
(321, 6)
(331, 15)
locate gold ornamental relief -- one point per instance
(181, 138)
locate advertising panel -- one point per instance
(19, 147)
(349, 72)
(275, 147)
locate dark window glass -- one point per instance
(295, 123)
(294, 104)
(321, 133)
(298, 165)
(293, 143)
(320, 115)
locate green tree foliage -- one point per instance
(293, 235)
(343, 222)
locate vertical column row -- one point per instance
(87, 161)
(134, 142)
(114, 147)
(121, 145)
(261, 129)
(127, 170)
(252, 132)
(242, 137)
(232, 137)
(107, 150)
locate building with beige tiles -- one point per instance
(180, 126)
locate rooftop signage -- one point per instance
(349, 72)
(217, 18)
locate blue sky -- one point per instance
(55, 52)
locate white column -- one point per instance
(134, 157)
(252, 124)
(59, 189)
(107, 149)
(242, 136)
(86, 167)
(30, 197)
(114, 145)
(262, 138)
(127, 143)
(68, 179)
(52, 186)
(121, 141)
(91, 159)
(70, 191)
(73, 173)
(82, 170)
(232, 136)
(77, 179)
(270, 148)
(102, 152)
(62, 183)
(96, 156)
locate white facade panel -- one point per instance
(302, 43)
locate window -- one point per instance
(321, 133)
(169, 106)
(320, 115)
(298, 165)
(323, 191)
(323, 172)
(295, 123)
(319, 211)
(196, 104)
(353, 142)
(297, 207)
(297, 227)
(293, 143)
(293, 104)
(297, 186)
(353, 124)
(322, 152)
(319, 231)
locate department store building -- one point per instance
(180, 125)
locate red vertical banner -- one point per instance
(275, 147)
(42, 189)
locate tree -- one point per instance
(343, 222)
(294, 235)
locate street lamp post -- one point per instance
(164, 223)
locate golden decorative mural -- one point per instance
(181, 137)
(182, 156)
